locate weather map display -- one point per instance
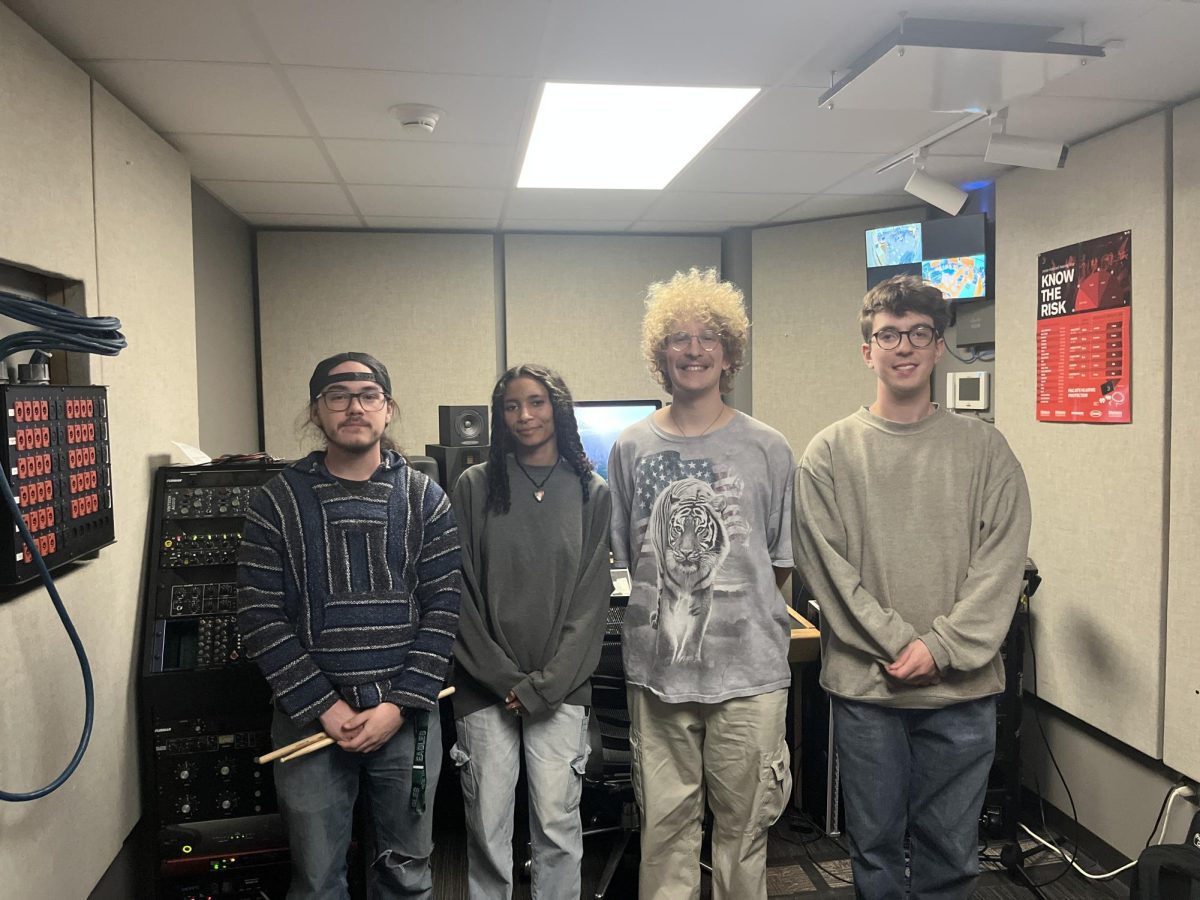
(959, 277)
(950, 253)
(895, 245)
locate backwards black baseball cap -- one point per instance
(321, 378)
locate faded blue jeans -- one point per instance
(920, 771)
(316, 798)
(488, 757)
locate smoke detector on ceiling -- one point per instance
(417, 118)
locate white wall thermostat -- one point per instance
(967, 390)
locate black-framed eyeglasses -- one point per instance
(919, 336)
(339, 401)
(682, 340)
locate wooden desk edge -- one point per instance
(805, 626)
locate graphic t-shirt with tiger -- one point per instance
(700, 522)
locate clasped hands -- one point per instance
(361, 731)
(915, 666)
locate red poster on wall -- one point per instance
(1084, 345)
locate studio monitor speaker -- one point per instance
(453, 461)
(462, 426)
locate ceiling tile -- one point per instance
(249, 197)
(212, 98)
(602, 226)
(427, 202)
(483, 37)
(346, 103)
(142, 29)
(680, 42)
(768, 171)
(298, 220)
(424, 163)
(552, 203)
(825, 206)
(237, 158)
(685, 227)
(716, 207)
(788, 118)
(430, 222)
(1158, 59)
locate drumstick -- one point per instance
(290, 748)
(315, 742)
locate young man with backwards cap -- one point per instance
(348, 592)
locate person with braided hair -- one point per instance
(534, 523)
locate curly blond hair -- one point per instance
(698, 294)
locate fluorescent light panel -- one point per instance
(623, 136)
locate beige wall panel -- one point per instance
(575, 303)
(45, 157)
(225, 347)
(1181, 736)
(809, 281)
(144, 241)
(424, 304)
(1098, 491)
(1117, 793)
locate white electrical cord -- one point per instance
(1179, 791)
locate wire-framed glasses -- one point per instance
(919, 336)
(339, 401)
(682, 340)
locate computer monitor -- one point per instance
(602, 421)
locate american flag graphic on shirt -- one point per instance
(655, 471)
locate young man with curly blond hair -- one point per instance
(701, 517)
(912, 526)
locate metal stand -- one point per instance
(1012, 857)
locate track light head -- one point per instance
(1031, 153)
(945, 197)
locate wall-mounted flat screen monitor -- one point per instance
(601, 423)
(950, 253)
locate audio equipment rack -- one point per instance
(210, 816)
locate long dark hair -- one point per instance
(566, 434)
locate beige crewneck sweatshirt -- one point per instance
(905, 531)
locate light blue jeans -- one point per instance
(488, 756)
(923, 771)
(316, 798)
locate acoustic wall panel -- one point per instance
(809, 281)
(1181, 737)
(1099, 492)
(423, 304)
(225, 345)
(575, 303)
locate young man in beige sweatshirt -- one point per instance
(911, 529)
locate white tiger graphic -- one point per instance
(689, 540)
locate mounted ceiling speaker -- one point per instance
(463, 426)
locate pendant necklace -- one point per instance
(675, 421)
(539, 493)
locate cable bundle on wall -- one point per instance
(57, 329)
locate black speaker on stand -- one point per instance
(453, 461)
(463, 432)
(463, 426)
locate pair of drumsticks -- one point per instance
(313, 743)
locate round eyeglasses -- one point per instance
(920, 336)
(339, 401)
(682, 340)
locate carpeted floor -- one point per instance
(802, 865)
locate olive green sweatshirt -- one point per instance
(907, 531)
